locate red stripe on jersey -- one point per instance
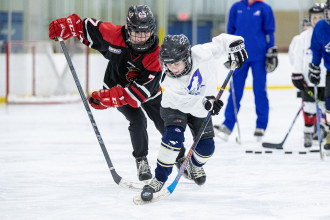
(151, 61)
(138, 93)
(112, 33)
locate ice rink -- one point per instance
(52, 168)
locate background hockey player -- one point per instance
(320, 46)
(189, 94)
(132, 77)
(305, 24)
(254, 21)
(302, 58)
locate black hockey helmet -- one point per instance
(140, 19)
(327, 12)
(315, 9)
(175, 48)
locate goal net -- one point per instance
(35, 74)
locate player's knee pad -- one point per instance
(171, 144)
(203, 151)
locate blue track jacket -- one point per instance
(320, 44)
(256, 24)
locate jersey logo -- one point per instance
(132, 74)
(195, 83)
(327, 48)
(257, 13)
(114, 50)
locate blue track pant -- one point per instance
(260, 93)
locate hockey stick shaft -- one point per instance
(118, 179)
(171, 187)
(318, 122)
(235, 109)
(280, 145)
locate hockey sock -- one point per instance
(204, 150)
(171, 144)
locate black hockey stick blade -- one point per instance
(116, 177)
(273, 146)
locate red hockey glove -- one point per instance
(106, 98)
(65, 27)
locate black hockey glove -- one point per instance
(211, 105)
(237, 53)
(271, 59)
(298, 81)
(314, 74)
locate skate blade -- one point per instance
(258, 138)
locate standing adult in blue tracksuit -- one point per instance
(254, 21)
(320, 46)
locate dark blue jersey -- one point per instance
(320, 44)
(256, 24)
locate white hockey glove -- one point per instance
(237, 53)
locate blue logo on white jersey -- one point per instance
(195, 83)
(114, 50)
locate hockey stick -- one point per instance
(238, 138)
(164, 193)
(118, 179)
(318, 122)
(279, 146)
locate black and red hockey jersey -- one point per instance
(139, 74)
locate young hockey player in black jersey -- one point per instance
(189, 89)
(132, 77)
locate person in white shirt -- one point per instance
(189, 85)
(302, 56)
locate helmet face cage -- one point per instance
(327, 12)
(174, 49)
(188, 65)
(141, 25)
(316, 9)
(305, 23)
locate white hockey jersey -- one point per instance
(186, 93)
(302, 56)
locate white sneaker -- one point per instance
(259, 133)
(222, 132)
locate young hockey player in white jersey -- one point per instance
(302, 57)
(189, 89)
(305, 24)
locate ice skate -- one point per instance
(178, 165)
(308, 140)
(143, 169)
(196, 173)
(259, 133)
(148, 190)
(326, 147)
(324, 132)
(222, 132)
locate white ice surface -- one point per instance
(52, 168)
